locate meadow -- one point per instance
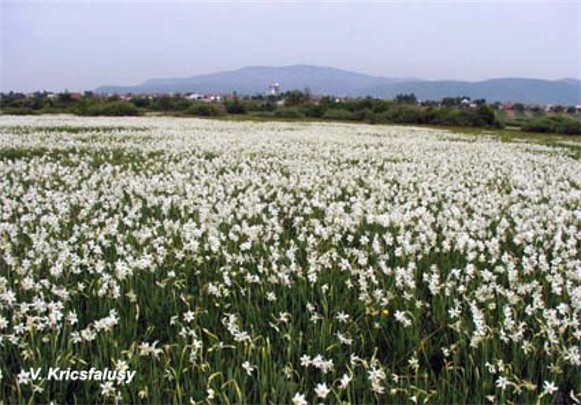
(273, 262)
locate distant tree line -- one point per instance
(296, 104)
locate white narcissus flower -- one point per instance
(189, 316)
(322, 390)
(107, 389)
(344, 382)
(248, 368)
(210, 393)
(299, 399)
(23, 378)
(549, 387)
(306, 360)
(121, 365)
(502, 382)
(342, 317)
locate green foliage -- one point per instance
(295, 98)
(453, 101)
(235, 106)
(403, 114)
(18, 103)
(164, 103)
(269, 106)
(289, 112)
(141, 102)
(114, 109)
(380, 106)
(557, 125)
(181, 104)
(486, 115)
(299, 104)
(406, 99)
(204, 110)
(366, 115)
(65, 98)
(338, 115)
(314, 110)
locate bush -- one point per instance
(486, 116)
(204, 110)
(268, 106)
(568, 126)
(338, 114)
(381, 106)
(315, 110)
(113, 109)
(404, 114)
(141, 102)
(235, 107)
(543, 125)
(289, 112)
(556, 125)
(295, 98)
(364, 115)
(483, 116)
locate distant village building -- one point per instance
(208, 98)
(274, 89)
(508, 107)
(195, 96)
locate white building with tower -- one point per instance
(274, 89)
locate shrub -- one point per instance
(486, 116)
(364, 115)
(483, 116)
(235, 107)
(119, 108)
(141, 102)
(268, 106)
(542, 125)
(296, 98)
(204, 110)
(288, 112)
(315, 110)
(404, 114)
(114, 109)
(338, 114)
(557, 125)
(567, 126)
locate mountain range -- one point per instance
(330, 81)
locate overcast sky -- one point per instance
(78, 45)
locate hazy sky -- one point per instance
(78, 45)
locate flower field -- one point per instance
(243, 262)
